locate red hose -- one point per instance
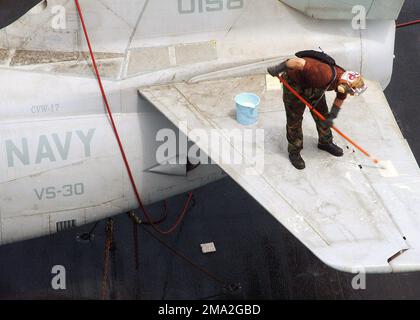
(322, 118)
(406, 24)
(117, 136)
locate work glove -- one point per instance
(276, 70)
(329, 121)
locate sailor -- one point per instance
(311, 74)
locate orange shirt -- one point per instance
(317, 75)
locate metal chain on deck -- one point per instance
(231, 287)
(107, 249)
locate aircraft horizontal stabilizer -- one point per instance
(351, 214)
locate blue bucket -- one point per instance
(247, 106)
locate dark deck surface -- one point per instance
(11, 10)
(253, 249)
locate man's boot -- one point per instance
(297, 161)
(331, 148)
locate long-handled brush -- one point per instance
(322, 118)
(383, 165)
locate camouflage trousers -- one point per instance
(295, 110)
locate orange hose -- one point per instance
(321, 117)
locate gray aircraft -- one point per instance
(171, 70)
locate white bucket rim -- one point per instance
(250, 94)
